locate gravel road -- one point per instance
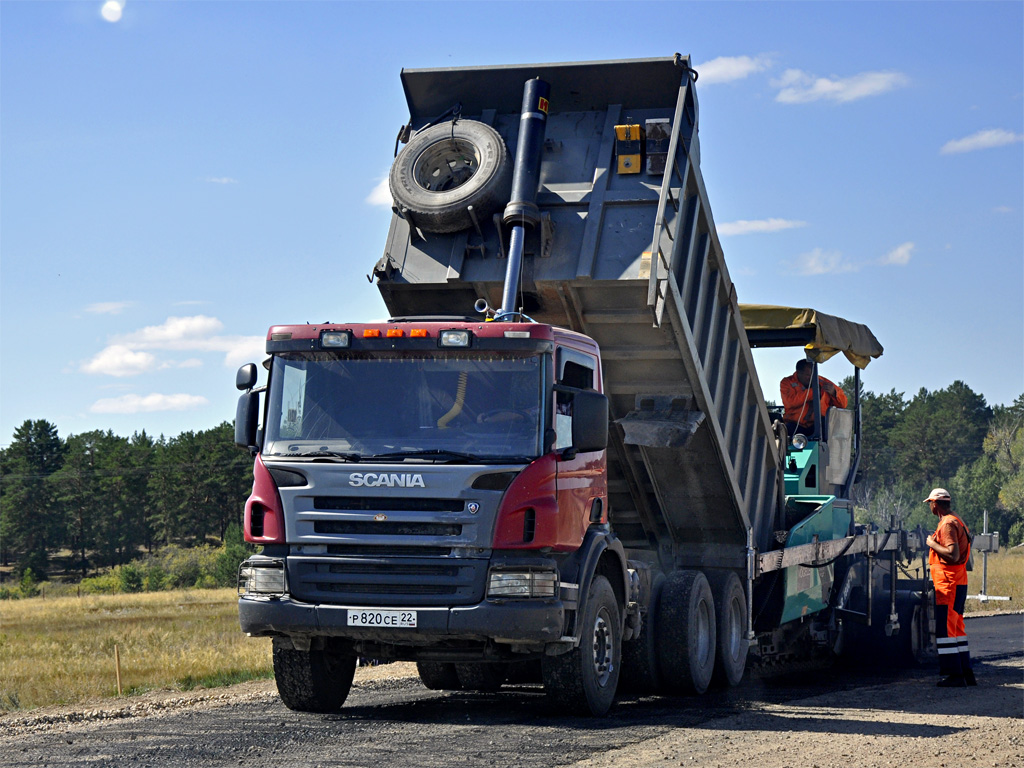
(828, 719)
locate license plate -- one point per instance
(371, 618)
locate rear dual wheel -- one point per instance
(731, 628)
(438, 675)
(686, 633)
(463, 676)
(641, 673)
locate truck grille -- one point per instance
(387, 504)
(385, 528)
(388, 550)
(389, 581)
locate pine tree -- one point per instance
(31, 520)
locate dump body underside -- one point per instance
(692, 462)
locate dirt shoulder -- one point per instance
(156, 703)
(909, 723)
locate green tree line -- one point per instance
(108, 499)
(949, 438)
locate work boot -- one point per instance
(953, 681)
(969, 677)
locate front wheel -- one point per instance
(583, 681)
(317, 680)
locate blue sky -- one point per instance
(179, 176)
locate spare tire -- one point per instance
(445, 169)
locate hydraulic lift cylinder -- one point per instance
(522, 211)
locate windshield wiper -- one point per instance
(324, 455)
(431, 453)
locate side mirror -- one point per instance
(246, 419)
(246, 377)
(589, 421)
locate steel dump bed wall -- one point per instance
(675, 356)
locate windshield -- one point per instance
(445, 406)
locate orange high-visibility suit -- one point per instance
(797, 400)
(950, 580)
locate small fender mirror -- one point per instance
(246, 377)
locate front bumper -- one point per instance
(512, 621)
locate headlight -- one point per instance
(522, 584)
(261, 577)
(799, 442)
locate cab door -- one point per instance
(581, 479)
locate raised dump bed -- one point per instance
(693, 464)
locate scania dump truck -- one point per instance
(554, 462)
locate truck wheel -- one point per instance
(640, 671)
(731, 625)
(438, 675)
(481, 676)
(447, 168)
(914, 638)
(583, 681)
(317, 680)
(686, 633)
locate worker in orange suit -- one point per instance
(798, 397)
(950, 548)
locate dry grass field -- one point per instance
(1005, 578)
(61, 650)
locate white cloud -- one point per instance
(381, 194)
(109, 307)
(148, 403)
(243, 349)
(821, 262)
(221, 180)
(726, 69)
(175, 333)
(798, 87)
(129, 354)
(1002, 209)
(745, 227)
(994, 137)
(898, 256)
(192, 362)
(120, 360)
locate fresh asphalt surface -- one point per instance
(399, 723)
